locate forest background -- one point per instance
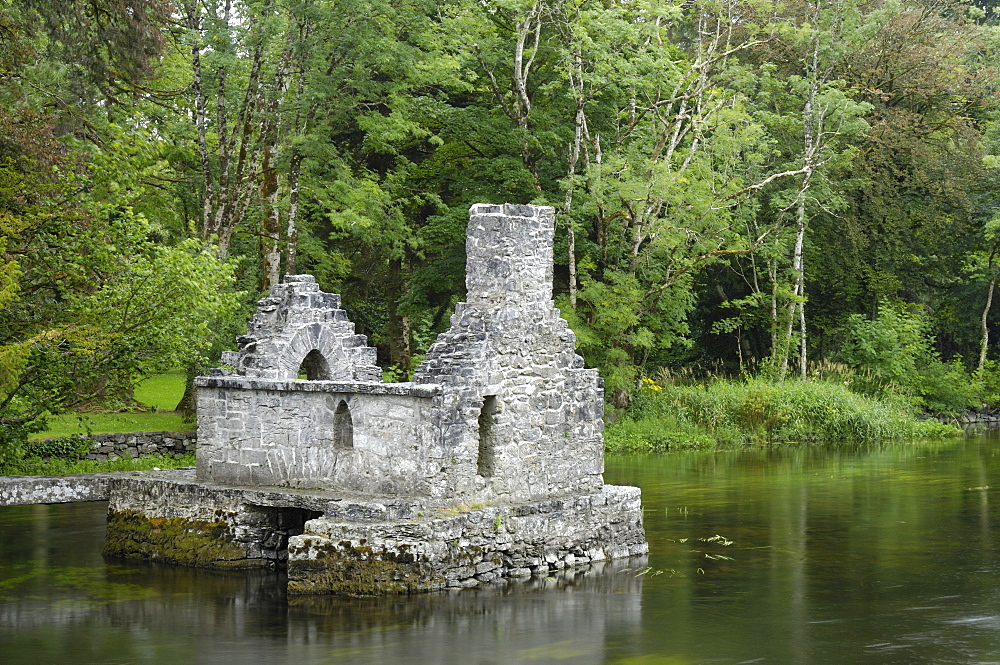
(761, 190)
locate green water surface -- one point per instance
(822, 556)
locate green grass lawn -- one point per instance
(161, 393)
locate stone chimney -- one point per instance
(509, 250)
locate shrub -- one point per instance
(946, 388)
(894, 356)
(989, 382)
(71, 448)
(756, 411)
(60, 467)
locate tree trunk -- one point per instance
(299, 125)
(529, 28)
(772, 273)
(400, 351)
(292, 231)
(985, 340)
(580, 122)
(799, 288)
(270, 227)
(201, 121)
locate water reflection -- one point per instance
(873, 555)
(804, 556)
(61, 603)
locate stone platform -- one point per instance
(337, 543)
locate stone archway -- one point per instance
(314, 367)
(317, 351)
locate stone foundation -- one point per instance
(334, 543)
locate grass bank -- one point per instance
(729, 413)
(58, 450)
(57, 466)
(157, 396)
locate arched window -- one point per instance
(314, 367)
(343, 426)
(486, 462)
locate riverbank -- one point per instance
(726, 413)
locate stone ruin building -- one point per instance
(488, 465)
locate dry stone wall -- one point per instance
(134, 444)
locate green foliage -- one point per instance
(990, 383)
(60, 467)
(686, 145)
(947, 388)
(13, 438)
(896, 348)
(893, 344)
(70, 448)
(732, 413)
(98, 303)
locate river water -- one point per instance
(825, 556)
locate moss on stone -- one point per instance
(357, 570)
(132, 535)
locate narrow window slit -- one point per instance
(343, 426)
(486, 463)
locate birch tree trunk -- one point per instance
(580, 122)
(984, 325)
(225, 162)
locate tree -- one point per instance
(94, 294)
(92, 305)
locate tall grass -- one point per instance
(56, 466)
(681, 414)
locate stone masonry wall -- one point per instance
(465, 548)
(510, 412)
(169, 516)
(334, 543)
(288, 433)
(294, 321)
(27, 490)
(488, 466)
(134, 444)
(514, 391)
